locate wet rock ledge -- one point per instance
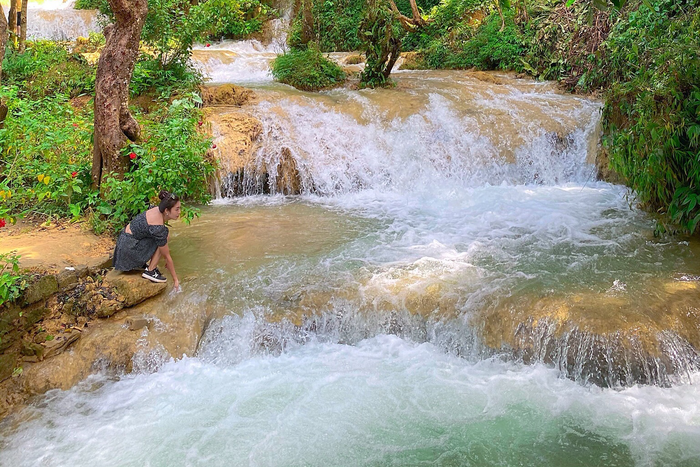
(55, 314)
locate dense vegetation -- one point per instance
(307, 69)
(46, 141)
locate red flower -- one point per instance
(132, 156)
(74, 174)
(200, 123)
(208, 44)
(213, 146)
(75, 125)
(2, 223)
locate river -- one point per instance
(405, 309)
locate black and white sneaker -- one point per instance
(154, 276)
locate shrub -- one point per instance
(91, 5)
(483, 46)
(307, 70)
(47, 68)
(46, 159)
(150, 77)
(12, 282)
(172, 156)
(651, 117)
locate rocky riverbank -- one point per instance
(77, 316)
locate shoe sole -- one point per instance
(153, 279)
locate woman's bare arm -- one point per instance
(165, 252)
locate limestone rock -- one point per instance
(235, 135)
(353, 59)
(226, 94)
(132, 287)
(7, 365)
(60, 343)
(41, 289)
(288, 180)
(136, 323)
(67, 278)
(107, 308)
(411, 61)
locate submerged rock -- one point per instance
(226, 94)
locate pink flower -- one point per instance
(132, 156)
(74, 174)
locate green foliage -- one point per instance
(651, 118)
(12, 281)
(47, 68)
(171, 156)
(43, 143)
(483, 46)
(91, 5)
(46, 158)
(307, 70)
(336, 23)
(150, 77)
(447, 18)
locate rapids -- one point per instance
(374, 319)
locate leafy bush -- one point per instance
(47, 68)
(12, 282)
(652, 113)
(150, 77)
(307, 70)
(46, 159)
(483, 46)
(171, 156)
(91, 5)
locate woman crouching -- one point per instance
(145, 238)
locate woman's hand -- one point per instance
(176, 286)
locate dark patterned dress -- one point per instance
(134, 250)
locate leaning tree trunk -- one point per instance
(114, 125)
(3, 37)
(23, 27)
(307, 21)
(12, 19)
(3, 42)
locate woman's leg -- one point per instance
(154, 260)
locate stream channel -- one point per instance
(453, 287)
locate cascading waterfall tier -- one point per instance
(57, 20)
(461, 152)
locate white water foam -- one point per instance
(384, 401)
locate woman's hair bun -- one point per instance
(163, 194)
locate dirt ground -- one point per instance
(55, 246)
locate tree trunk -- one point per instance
(3, 37)
(23, 27)
(114, 125)
(12, 19)
(3, 42)
(307, 21)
